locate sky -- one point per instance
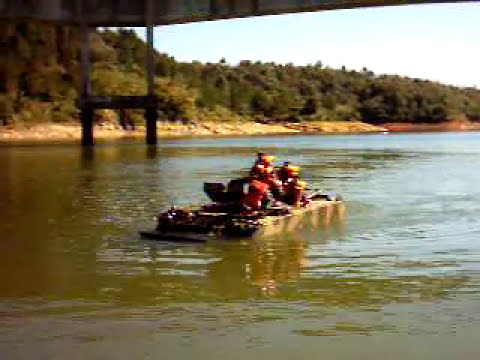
(438, 42)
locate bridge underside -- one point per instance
(165, 12)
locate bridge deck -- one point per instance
(165, 12)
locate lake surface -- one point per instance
(397, 278)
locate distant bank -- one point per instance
(61, 132)
(72, 132)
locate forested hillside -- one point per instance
(39, 78)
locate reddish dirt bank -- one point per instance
(445, 126)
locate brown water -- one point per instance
(399, 277)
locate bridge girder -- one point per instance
(165, 12)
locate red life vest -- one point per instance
(259, 186)
(253, 200)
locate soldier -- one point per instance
(287, 172)
(294, 192)
(257, 196)
(263, 161)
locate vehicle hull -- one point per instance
(317, 213)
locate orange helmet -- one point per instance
(300, 184)
(292, 170)
(269, 158)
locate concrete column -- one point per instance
(86, 117)
(151, 120)
(151, 114)
(85, 61)
(86, 113)
(150, 69)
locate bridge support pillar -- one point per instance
(86, 118)
(151, 122)
(151, 113)
(87, 103)
(86, 112)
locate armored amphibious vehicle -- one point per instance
(217, 221)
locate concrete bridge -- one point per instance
(88, 14)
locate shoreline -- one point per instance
(48, 132)
(72, 132)
(445, 126)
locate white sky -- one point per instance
(439, 42)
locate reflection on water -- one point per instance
(402, 259)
